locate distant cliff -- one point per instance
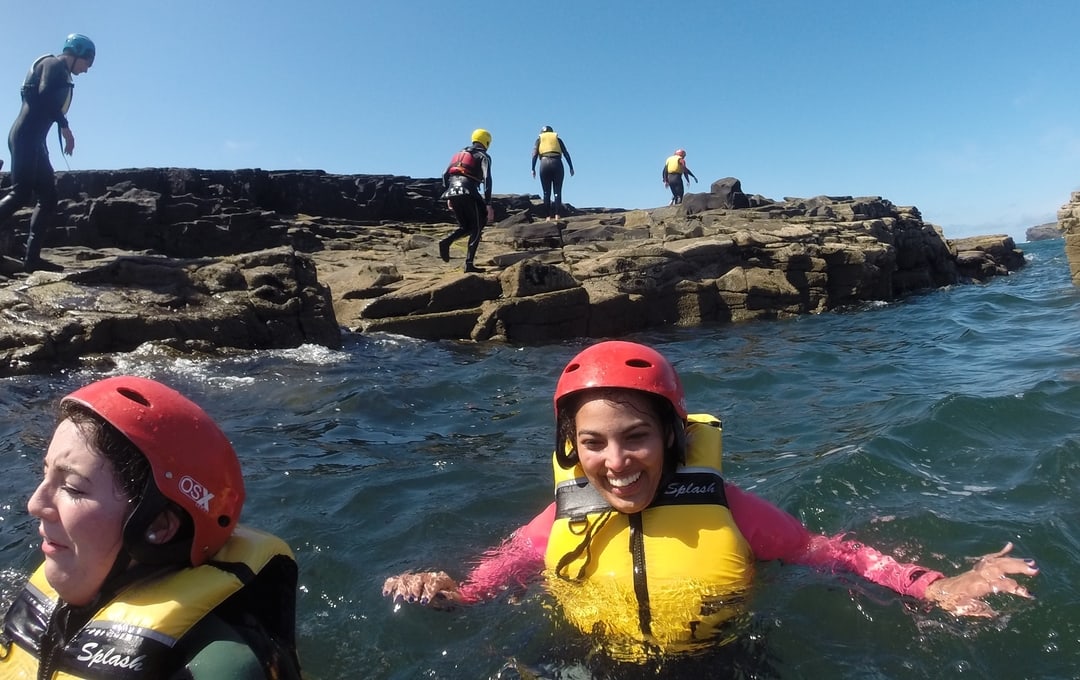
(1043, 232)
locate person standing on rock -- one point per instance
(551, 150)
(468, 170)
(674, 169)
(46, 95)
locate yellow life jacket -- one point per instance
(549, 144)
(696, 564)
(136, 634)
(674, 166)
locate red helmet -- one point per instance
(617, 363)
(192, 461)
(680, 153)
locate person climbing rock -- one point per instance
(550, 150)
(469, 169)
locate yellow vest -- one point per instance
(673, 165)
(549, 144)
(696, 562)
(134, 635)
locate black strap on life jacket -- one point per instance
(33, 79)
(587, 531)
(264, 612)
(641, 580)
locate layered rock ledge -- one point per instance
(196, 260)
(1069, 223)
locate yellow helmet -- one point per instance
(483, 136)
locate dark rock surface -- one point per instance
(198, 260)
(264, 299)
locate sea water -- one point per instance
(935, 428)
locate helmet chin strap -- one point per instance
(136, 543)
(123, 561)
(138, 556)
(134, 532)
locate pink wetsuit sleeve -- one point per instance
(513, 564)
(775, 535)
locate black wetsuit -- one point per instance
(674, 180)
(46, 93)
(468, 203)
(551, 174)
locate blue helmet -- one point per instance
(80, 46)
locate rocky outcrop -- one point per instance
(1069, 221)
(979, 258)
(605, 275)
(1043, 232)
(723, 193)
(194, 260)
(264, 299)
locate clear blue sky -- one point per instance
(968, 109)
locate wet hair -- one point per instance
(131, 469)
(674, 429)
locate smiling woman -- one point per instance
(646, 546)
(137, 513)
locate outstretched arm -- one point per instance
(514, 563)
(991, 574)
(774, 534)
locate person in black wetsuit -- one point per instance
(549, 148)
(468, 170)
(46, 95)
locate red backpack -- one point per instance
(465, 163)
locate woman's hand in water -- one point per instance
(430, 588)
(991, 574)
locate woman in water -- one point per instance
(646, 544)
(147, 573)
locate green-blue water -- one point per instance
(936, 428)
